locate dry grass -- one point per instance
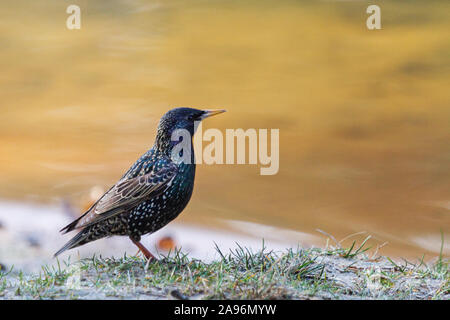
(239, 274)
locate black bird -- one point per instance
(153, 192)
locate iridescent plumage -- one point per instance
(150, 194)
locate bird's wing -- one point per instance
(127, 193)
(131, 191)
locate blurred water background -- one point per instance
(364, 116)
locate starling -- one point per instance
(150, 194)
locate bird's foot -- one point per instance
(147, 254)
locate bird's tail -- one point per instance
(78, 240)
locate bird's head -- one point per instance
(180, 118)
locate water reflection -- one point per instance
(364, 117)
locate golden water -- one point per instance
(364, 116)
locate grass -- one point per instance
(330, 273)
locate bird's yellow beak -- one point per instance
(210, 113)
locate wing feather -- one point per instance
(127, 193)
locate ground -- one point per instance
(330, 273)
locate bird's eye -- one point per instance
(193, 117)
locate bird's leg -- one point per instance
(143, 249)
